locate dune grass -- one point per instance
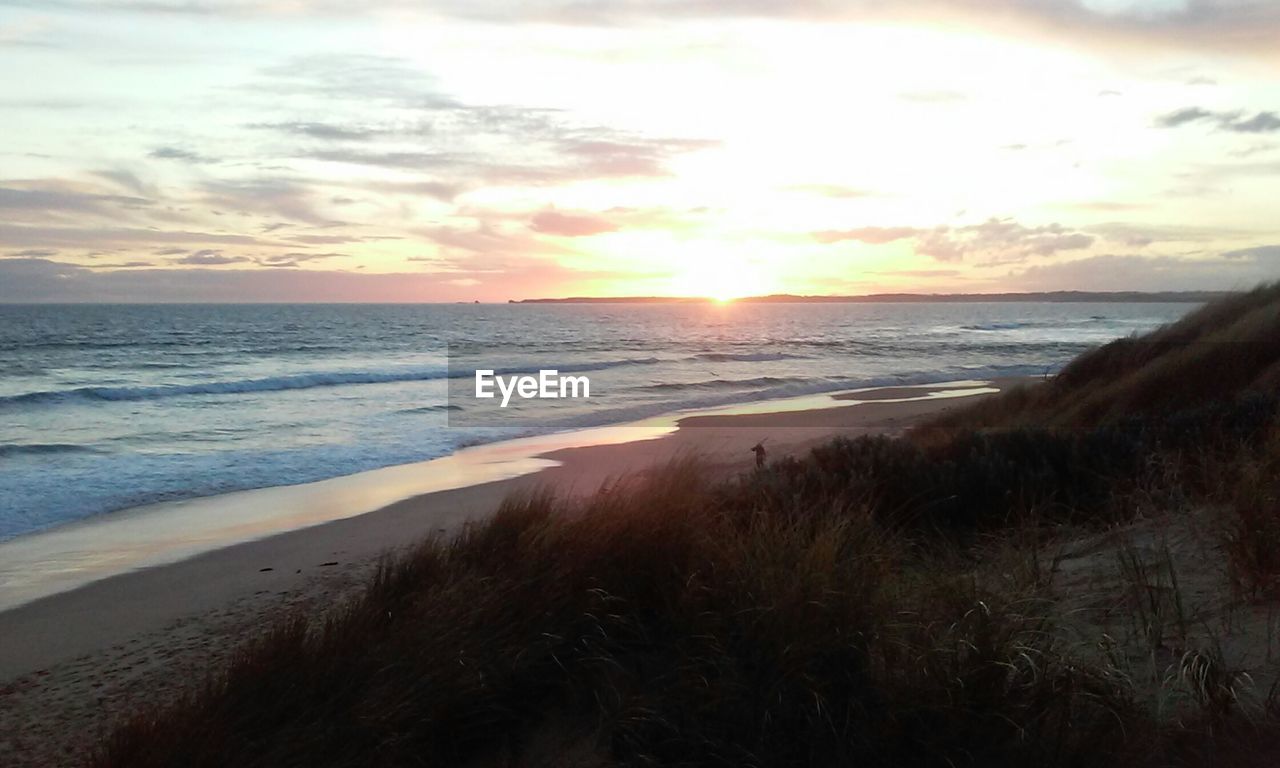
(878, 602)
(1226, 347)
(666, 623)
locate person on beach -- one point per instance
(759, 451)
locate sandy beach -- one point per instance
(76, 661)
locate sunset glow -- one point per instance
(266, 151)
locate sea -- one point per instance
(108, 407)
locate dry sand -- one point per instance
(73, 663)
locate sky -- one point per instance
(388, 150)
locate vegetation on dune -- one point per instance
(1226, 347)
(666, 624)
(877, 602)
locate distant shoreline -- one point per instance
(1117, 297)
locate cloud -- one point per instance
(1234, 27)
(43, 280)
(312, 256)
(60, 197)
(128, 181)
(208, 257)
(440, 190)
(1001, 241)
(873, 235)
(923, 273)
(459, 145)
(553, 222)
(289, 199)
(182, 155)
(1257, 254)
(33, 253)
(626, 157)
(295, 258)
(485, 238)
(1141, 235)
(400, 160)
(1183, 116)
(1263, 122)
(125, 265)
(997, 241)
(365, 77)
(327, 239)
(1112, 272)
(564, 159)
(1235, 122)
(326, 131)
(119, 237)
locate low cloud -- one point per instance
(62, 198)
(1234, 122)
(487, 239)
(326, 131)
(43, 280)
(284, 198)
(995, 241)
(1142, 235)
(125, 265)
(872, 235)
(1112, 272)
(117, 237)
(1257, 254)
(128, 181)
(181, 155)
(295, 258)
(207, 257)
(439, 190)
(570, 225)
(999, 241)
(553, 160)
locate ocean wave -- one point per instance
(240, 386)
(1010, 326)
(759, 381)
(40, 449)
(747, 357)
(282, 383)
(431, 409)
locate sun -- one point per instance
(722, 277)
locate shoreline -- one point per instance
(78, 553)
(75, 662)
(106, 612)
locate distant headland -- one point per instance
(886, 298)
